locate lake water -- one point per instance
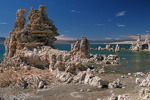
(135, 61)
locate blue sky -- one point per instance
(95, 19)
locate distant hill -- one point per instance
(95, 41)
(2, 39)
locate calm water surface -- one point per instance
(135, 61)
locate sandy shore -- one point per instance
(63, 91)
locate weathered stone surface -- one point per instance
(84, 50)
(40, 31)
(111, 59)
(117, 49)
(119, 97)
(32, 48)
(109, 47)
(99, 48)
(115, 84)
(144, 93)
(141, 46)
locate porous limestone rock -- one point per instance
(119, 97)
(40, 31)
(144, 93)
(32, 47)
(84, 50)
(117, 49)
(141, 46)
(109, 47)
(115, 84)
(111, 59)
(99, 48)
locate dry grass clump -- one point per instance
(24, 78)
(8, 78)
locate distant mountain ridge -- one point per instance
(94, 41)
(2, 39)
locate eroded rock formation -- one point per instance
(117, 49)
(31, 48)
(40, 31)
(84, 50)
(141, 46)
(144, 93)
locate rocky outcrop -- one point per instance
(119, 97)
(141, 46)
(117, 49)
(82, 77)
(84, 50)
(40, 31)
(32, 48)
(111, 59)
(99, 48)
(144, 93)
(115, 84)
(109, 47)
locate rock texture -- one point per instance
(117, 49)
(84, 50)
(109, 47)
(31, 61)
(115, 84)
(111, 59)
(119, 97)
(144, 93)
(141, 46)
(40, 31)
(32, 48)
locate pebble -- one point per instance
(81, 90)
(129, 74)
(88, 90)
(137, 81)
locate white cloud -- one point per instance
(75, 11)
(108, 38)
(109, 20)
(122, 13)
(120, 25)
(112, 38)
(147, 31)
(63, 37)
(3, 23)
(99, 24)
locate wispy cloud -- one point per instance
(120, 25)
(107, 38)
(147, 31)
(99, 24)
(3, 23)
(122, 13)
(109, 20)
(63, 37)
(75, 11)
